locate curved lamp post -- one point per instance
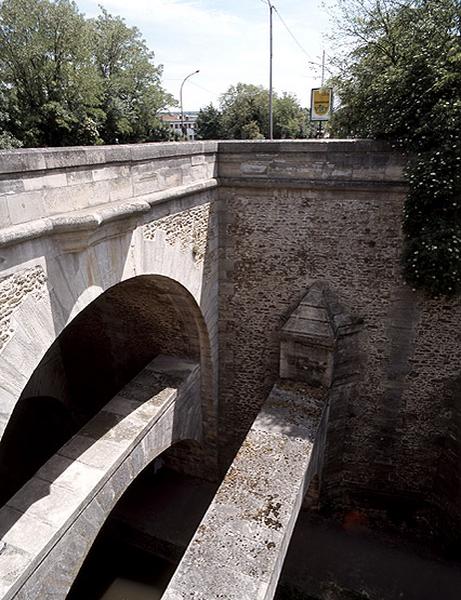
(183, 128)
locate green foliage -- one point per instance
(245, 109)
(402, 82)
(251, 131)
(47, 74)
(209, 125)
(131, 92)
(244, 115)
(290, 121)
(8, 142)
(66, 80)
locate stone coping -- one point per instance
(91, 218)
(41, 159)
(238, 550)
(345, 185)
(325, 145)
(37, 517)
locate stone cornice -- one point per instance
(92, 218)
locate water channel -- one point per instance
(115, 571)
(154, 521)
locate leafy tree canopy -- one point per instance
(209, 124)
(244, 114)
(400, 80)
(132, 94)
(67, 80)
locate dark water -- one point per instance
(158, 506)
(114, 571)
(127, 589)
(124, 588)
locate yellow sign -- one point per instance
(321, 100)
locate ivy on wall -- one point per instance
(432, 223)
(402, 82)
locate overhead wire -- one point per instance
(197, 85)
(294, 38)
(291, 34)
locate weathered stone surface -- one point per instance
(191, 233)
(50, 524)
(78, 178)
(30, 537)
(13, 561)
(281, 232)
(239, 547)
(360, 163)
(285, 214)
(13, 291)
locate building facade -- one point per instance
(178, 126)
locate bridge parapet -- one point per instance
(314, 164)
(48, 527)
(55, 190)
(50, 190)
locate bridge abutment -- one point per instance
(244, 228)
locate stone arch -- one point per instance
(82, 584)
(55, 556)
(47, 291)
(102, 349)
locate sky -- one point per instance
(228, 41)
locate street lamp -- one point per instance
(183, 128)
(271, 114)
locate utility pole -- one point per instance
(183, 127)
(322, 81)
(323, 69)
(271, 114)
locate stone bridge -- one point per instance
(236, 267)
(49, 526)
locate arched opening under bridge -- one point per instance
(96, 355)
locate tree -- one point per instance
(49, 82)
(66, 80)
(209, 123)
(401, 81)
(7, 140)
(132, 94)
(251, 131)
(290, 121)
(242, 105)
(244, 114)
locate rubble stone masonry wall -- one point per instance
(294, 213)
(246, 228)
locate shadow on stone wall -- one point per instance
(96, 355)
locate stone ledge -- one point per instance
(274, 146)
(94, 217)
(39, 516)
(41, 159)
(397, 186)
(238, 549)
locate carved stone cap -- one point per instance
(309, 337)
(311, 322)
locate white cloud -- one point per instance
(182, 16)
